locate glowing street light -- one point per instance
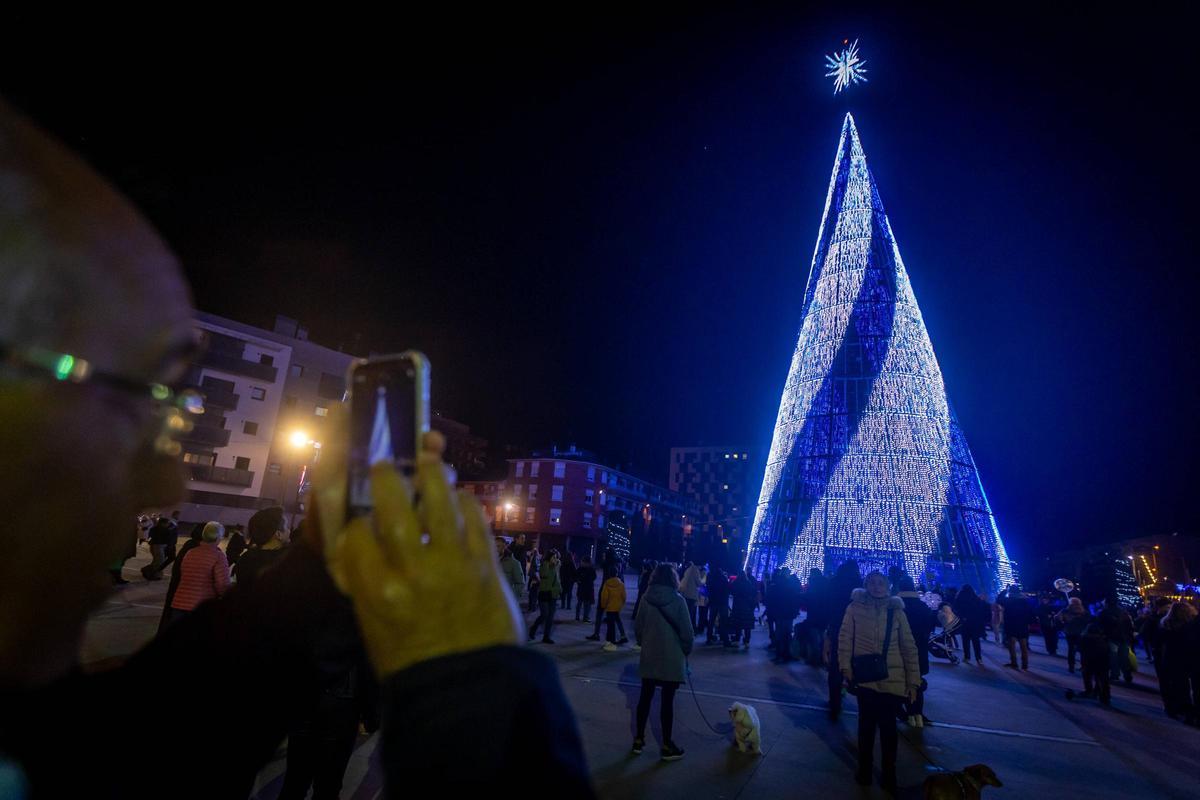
(299, 439)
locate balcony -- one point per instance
(218, 398)
(226, 475)
(207, 436)
(237, 365)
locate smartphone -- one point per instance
(389, 413)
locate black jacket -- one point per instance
(585, 579)
(494, 706)
(921, 619)
(253, 562)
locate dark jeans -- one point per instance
(533, 597)
(877, 711)
(701, 618)
(565, 599)
(666, 707)
(319, 748)
(1118, 661)
(718, 624)
(835, 675)
(1095, 681)
(783, 639)
(969, 642)
(584, 606)
(1051, 637)
(611, 620)
(546, 606)
(601, 617)
(1072, 651)
(1013, 641)
(691, 606)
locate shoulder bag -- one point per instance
(872, 667)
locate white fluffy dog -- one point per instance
(747, 731)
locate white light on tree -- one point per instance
(846, 68)
(868, 461)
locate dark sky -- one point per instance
(599, 230)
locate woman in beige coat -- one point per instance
(864, 628)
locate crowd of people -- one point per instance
(830, 620)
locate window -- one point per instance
(587, 519)
(517, 490)
(589, 496)
(321, 411)
(601, 525)
(560, 469)
(297, 370)
(556, 493)
(331, 387)
(591, 473)
(744, 456)
(529, 512)
(603, 477)
(512, 514)
(241, 462)
(274, 469)
(258, 393)
(556, 516)
(735, 455)
(520, 473)
(533, 468)
(199, 458)
(289, 401)
(533, 491)
(250, 428)
(266, 359)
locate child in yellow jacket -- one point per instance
(612, 600)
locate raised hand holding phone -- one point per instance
(423, 577)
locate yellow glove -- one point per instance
(425, 582)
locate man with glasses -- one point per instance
(90, 415)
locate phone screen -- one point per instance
(386, 417)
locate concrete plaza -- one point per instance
(1019, 723)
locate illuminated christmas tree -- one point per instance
(868, 461)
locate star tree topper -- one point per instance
(846, 68)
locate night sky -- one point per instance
(600, 230)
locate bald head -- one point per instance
(80, 270)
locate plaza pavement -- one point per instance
(1039, 743)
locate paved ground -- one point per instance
(1039, 743)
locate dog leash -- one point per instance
(692, 686)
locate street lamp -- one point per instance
(299, 439)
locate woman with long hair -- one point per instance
(664, 631)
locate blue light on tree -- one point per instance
(868, 460)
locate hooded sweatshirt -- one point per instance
(664, 631)
(864, 627)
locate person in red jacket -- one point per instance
(203, 572)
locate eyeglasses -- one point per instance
(175, 408)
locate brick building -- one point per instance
(568, 500)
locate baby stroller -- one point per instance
(941, 643)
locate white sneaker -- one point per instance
(609, 647)
(637, 648)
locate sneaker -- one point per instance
(609, 647)
(623, 640)
(672, 753)
(1012, 665)
(547, 641)
(593, 638)
(639, 744)
(912, 722)
(637, 648)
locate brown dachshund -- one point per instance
(965, 785)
